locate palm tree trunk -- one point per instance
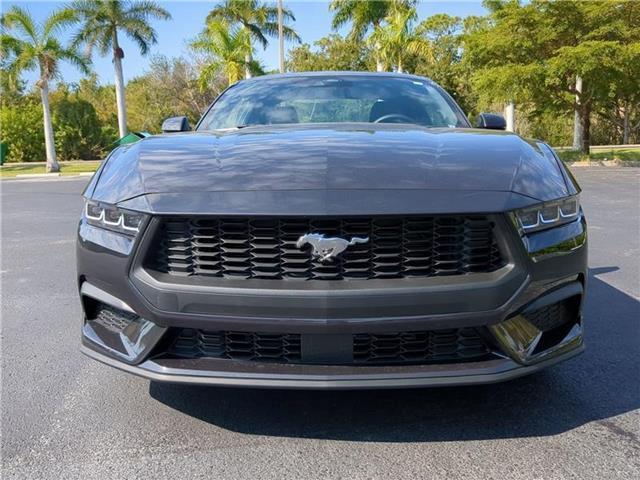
(50, 148)
(280, 36)
(400, 64)
(510, 114)
(120, 95)
(380, 66)
(248, 59)
(578, 127)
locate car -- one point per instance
(332, 231)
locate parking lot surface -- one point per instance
(65, 416)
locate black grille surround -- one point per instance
(265, 247)
(400, 348)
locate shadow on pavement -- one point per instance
(602, 383)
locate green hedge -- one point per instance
(77, 130)
(22, 130)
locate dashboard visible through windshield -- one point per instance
(292, 100)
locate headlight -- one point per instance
(548, 214)
(113, 218)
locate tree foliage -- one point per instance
(331, 53)
(169, 88)
(102, 20)
(21, 129)
(29, 45)
(225, 48)
(527, 51)
(535, 53)
(397, 37)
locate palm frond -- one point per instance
(59, 20)
(144, 9)
(18, 18)
(81, 62)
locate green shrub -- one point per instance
(77, 130)
(22, 129)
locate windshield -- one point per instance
(333, 100)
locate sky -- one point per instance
(313, 21)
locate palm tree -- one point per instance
(364, 15)
(26, 45)
(257, 19)
(225, 48)
(398, 37)
(103, 19)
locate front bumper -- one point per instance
(221, 373)
(548, 269)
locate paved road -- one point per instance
(65, 416)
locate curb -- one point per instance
(37, 175)
(605, 163)
(47, 176)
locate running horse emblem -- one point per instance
(325, 249)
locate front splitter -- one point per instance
(476, 373)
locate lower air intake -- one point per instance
(402, 348)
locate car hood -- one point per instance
(323, 158)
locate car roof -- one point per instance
(277, 76)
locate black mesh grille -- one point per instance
(419, 347)
(452, 345)
(113, 319)
(555, 315)
(262, 347)
(266, 248)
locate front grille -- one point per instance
(262, 347)
(265, 248)
(419, 347)
(408, 348)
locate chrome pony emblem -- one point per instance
(325, 249)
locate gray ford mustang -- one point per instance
(332, 230)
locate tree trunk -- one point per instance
(380, 66)
(626, 127)
(586, 127)
(280, 36)
(120, 95)
(510, 117)
(578, 127)
(50, 147)
(400, 64)
(248, 59)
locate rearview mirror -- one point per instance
(491, 121)
(175, 124)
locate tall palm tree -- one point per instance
(257, 19)
(365, 15)
(27, 45)
(101, 22)
(397, 37)
(225, 46)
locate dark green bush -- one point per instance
(77, 130)
(22, 129)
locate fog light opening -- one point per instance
(555, 321)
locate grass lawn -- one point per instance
(625, 154)
(71, 168)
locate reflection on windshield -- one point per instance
(295, 100)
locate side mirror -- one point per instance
(175, 124)
(491, 121)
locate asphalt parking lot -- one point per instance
(65, 416)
